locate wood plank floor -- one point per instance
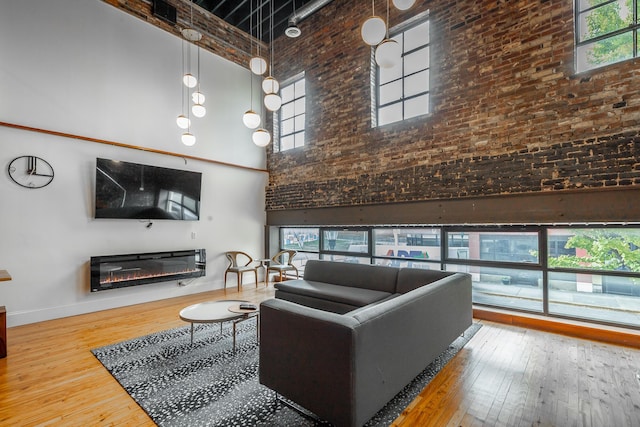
(505, 376)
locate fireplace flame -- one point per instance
(125, 276)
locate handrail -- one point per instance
(130, 146)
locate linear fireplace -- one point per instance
(119, 271)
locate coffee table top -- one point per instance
(211, 311)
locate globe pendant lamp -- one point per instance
(251, 119)
(189, 80)
(373, 30)
(403, 4)
(198, 110)
(188, 139)
(183, 121)
(273, 102)
(270, 85)
(388, 53)
(198, 97)
(258, 65)
(261, 137)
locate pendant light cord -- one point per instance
(251, 50)
(387, 18)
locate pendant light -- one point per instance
(188, 139)
(403, 4)
(183, 121)
(258, 64)
(261, 137)
(198, 98)
(373, 29)
(270, 85)
(251, 119)
(190, 81)
(388, 53)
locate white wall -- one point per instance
(84, 67)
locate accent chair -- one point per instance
(240, 263)
(283, 261)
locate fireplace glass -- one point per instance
(118, 271)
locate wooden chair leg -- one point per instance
(255, 272)
(239, 280)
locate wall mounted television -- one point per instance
(136, 191)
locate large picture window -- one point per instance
(579, 272)
(402, 92)
(606, 32)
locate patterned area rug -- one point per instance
(206, 384)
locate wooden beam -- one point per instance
(132, 147)
(611, 205)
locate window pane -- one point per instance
(390, 92)
(604, 19)
(586, 4)
(495, 246)
(287, 142)
(605, 52)
(416, 37)
(416, 106)
(299, 123)
(389, 74)
(346, 241)
(287, 94)
(412, 243)
(300, 89)
(287, 127)
(300, 239)
(504, 287)
(416, 83)
(613, 249)
(287, 111)
(300, 106)
(299, 139)
(389, 114)
(416, 61)
(595, 297)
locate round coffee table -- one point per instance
(219, 312)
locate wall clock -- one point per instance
(30, 171)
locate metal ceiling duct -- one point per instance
(302, 13)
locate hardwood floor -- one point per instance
(506, 375)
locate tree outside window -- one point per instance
(606, 32)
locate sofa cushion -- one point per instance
(374, 277)
(327, 291)
(413, 278)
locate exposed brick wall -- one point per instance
(219, 37)
(509, 115)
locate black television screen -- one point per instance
(131, 190)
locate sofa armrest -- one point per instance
(306, 355)
(398, 338)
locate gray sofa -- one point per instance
(345, 339)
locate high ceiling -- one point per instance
(238, 14)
